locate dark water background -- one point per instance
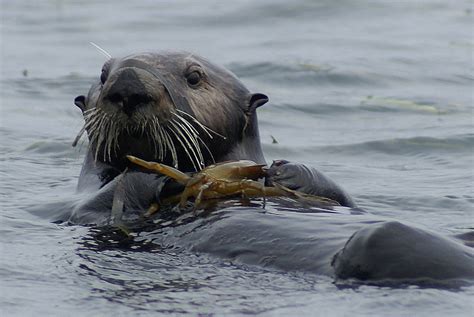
(377, 94)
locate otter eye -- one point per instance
(193, 78)
(103, 76)
(105, 71)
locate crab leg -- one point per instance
(175, 174)
(199, 196)
(251, 172)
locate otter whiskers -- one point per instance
(202, 126)
(104, 130)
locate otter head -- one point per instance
(174, 108)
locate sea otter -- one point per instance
(180, 109)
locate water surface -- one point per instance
(378, 95)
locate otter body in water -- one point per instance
(181, 110)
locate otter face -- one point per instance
(174, 108)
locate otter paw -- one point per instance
(284, 173)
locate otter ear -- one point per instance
(80, 101)
(257, 100)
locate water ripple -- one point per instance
(408, 146)
(305, 74)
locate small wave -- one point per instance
(307, 74)
(315, 109)
(374, 105)
(48, 87)
(58, 148)
(405, 146)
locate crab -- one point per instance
(221, 180)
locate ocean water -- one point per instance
(376, 94)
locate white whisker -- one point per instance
(185, 149)
(194, 131)
(79, 136)
(100, 49)
(193, 143)
(206, 129)
(159, 136)
(172, 148)
(208, 150)
(189, 125)
(151, 135)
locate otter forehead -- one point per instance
(176, 63)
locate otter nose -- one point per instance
(128, 92)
